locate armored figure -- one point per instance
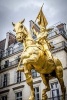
(42, 36)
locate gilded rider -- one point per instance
(42, 37)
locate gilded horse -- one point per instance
(33, 57)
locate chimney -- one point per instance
(7, 40)
(62, 26)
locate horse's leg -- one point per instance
(31, 59)
(59, 75)
(21, 69)
(46, 82)
(29, 80)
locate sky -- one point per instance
(16, 10)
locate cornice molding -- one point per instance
(18, 87)
(4, 91)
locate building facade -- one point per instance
(13, 84)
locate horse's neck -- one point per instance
(28, 41)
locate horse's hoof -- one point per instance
(17, 69)
(44, 95)
(31, 98)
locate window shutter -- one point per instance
(15, 76)
(8, 78)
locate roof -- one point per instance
(12, 39)
(2, 44)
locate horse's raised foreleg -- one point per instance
(32, 59)
(46, 82)
(21, 69)
(59, 74)
(29, 81)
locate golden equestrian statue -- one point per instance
(36, 55)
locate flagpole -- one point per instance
(42, 5)
(39, 11)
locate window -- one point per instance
(51, 34)
(17, 58)
(34, 73)
(0, 67)
(18, 77)
(55, 91)
(36, 93)
(6, 63)
(4, 97)
(18, 95)
(5, 80)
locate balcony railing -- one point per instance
(56, 32)
(59, 45)
(10, 51)
(9, 65)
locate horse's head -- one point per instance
(20, 30)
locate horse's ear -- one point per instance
(13, 24)
(22, 21)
